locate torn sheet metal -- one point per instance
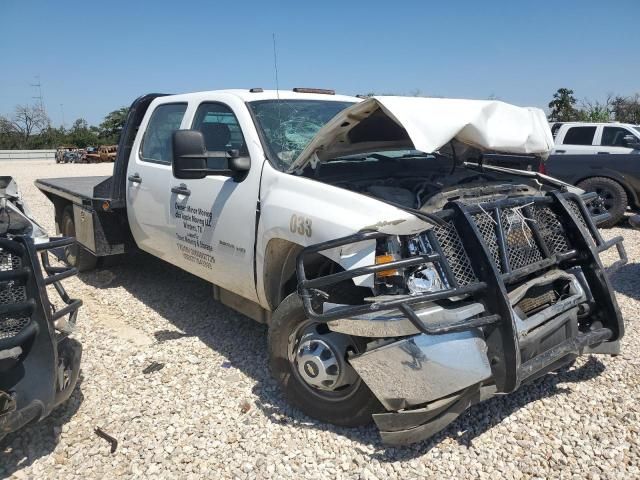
(428, 124)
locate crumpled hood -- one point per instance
(428, 124)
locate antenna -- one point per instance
(275, 64)
(275, 67)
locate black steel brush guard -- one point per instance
(29, 382)
(491, 282)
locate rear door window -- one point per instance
(157, 144)
(579, 136)
(614, 136)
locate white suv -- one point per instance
(578, 138)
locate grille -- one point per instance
(455, 254)
(10, 327)
(522, 249)
(575, 209)
(9, 261)
(487, 227)
(536, 299)
(11, 292)
(551, 230)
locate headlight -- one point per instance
(413, 280)
(425, 279)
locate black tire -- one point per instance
(75, 255)
(613, 195)
(353, 410)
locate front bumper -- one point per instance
(481, 343)
(39, 363)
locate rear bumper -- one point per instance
(454, 354)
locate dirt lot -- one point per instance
(213, 410)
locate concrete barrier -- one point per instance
(27, 155)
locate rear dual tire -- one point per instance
(75, 255)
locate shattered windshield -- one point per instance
(289, 125)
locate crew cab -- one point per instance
(401, 279)
(581, 138)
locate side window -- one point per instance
(156, 144)
(220, 128)
(579, 136)
(614, 136)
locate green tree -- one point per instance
(626, 109)
(82, 135)
(112, 125)
(563, 106)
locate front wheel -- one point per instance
(310, 365)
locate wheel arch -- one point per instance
(631, 193)
(279, 272)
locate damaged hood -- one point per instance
(427, 125)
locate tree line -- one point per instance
(564, 107)
(29, 127)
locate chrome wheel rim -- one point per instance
(319, 361)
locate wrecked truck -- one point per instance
(402, 279)
(39, 360)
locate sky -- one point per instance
(94, 57)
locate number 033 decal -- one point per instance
(300, 225)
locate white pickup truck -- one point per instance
(583, 138)
(400, 278)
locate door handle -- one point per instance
(135, 178)
(602, 153)
(181, 190)
(561, 151)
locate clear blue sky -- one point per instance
(94, 57)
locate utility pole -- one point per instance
(39, 97)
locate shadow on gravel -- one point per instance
(186, 301)
(626, 279)
(20, 449)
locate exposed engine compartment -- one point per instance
(423, 183)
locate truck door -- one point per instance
(615, 139)
(148, 178)
(214, 217)
(578, 140)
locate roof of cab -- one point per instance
(247, 96)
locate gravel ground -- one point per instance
(214, 411)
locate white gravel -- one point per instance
(213, 411)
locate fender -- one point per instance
(304, 212)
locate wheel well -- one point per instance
(631, 194)
(59, 204)
(279, 274)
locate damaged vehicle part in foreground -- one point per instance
(508, 287)
(39, 362)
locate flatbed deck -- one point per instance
(79, 190)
